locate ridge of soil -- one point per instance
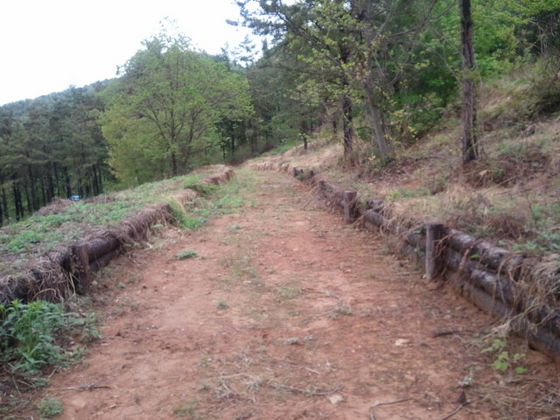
(287, 313)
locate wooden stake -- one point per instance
(349, 204)
(434, 260)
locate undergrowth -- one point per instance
(68, 221)
(36, 339)
(214, 201)
(32, 336)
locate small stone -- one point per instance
(292, 341)
(401, 342)
(335, 399)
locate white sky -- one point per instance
(48, 45)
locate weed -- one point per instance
(222, 305)
(187, 410)
(400, 193)
(28, 335)
(205, 359)
(204, 386)
(503, 360)
(186, 254)
(287, 292)
(340, 310)
(50, 407)
(41, 382)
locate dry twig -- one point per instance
(306, 391)
(371, 412)
(88, 387)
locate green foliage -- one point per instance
(222, 305)
(186, 254)
(50, 407)
(45, 232)
(200, 187)
(28, 335)
(166, 108)
(50, 146)
(503, 360)
(401, 193)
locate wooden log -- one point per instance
(376, 205)
(97, 247)
(541, 339)
(416, 240)
(496, 258)
(434, 250)
(104, 260)
(80, 269)
(12, 288)
(374, 218)
(503, 290)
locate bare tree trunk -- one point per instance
(347, 127)
(377, 123)
(468, 137)
(174, 167)
(303, 133)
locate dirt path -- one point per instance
(286, 313)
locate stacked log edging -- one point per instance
(496, 280)
(67, 268)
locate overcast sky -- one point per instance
(48, 45)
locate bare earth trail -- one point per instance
(286, 313)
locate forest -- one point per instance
(376, 76)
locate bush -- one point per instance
(28, 335)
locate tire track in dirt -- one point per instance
(286, 313)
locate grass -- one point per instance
(187, 410)
(186, 254)
(39, 234)
(222, 305)
(32, 336)
(50, 407)
(217, 201)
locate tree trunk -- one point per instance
(377, 123)
(347, 128)
(50, 183)
(33, 189)
(44, 200)
(17, 201)
(68, 183)
(468, 137)
(4, 204)
(303, 134)
(334, 126)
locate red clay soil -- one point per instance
(286, 313)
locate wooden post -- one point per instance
(80, 267)
(434, 260)
(349, 204)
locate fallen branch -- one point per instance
(459, 408)
(371, 413)
(314, 393)
(89, 387)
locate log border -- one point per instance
(67, 269)
(482, 273)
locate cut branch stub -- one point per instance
(434, 259)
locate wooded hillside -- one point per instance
(374, 75)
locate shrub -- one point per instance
(28, 335)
